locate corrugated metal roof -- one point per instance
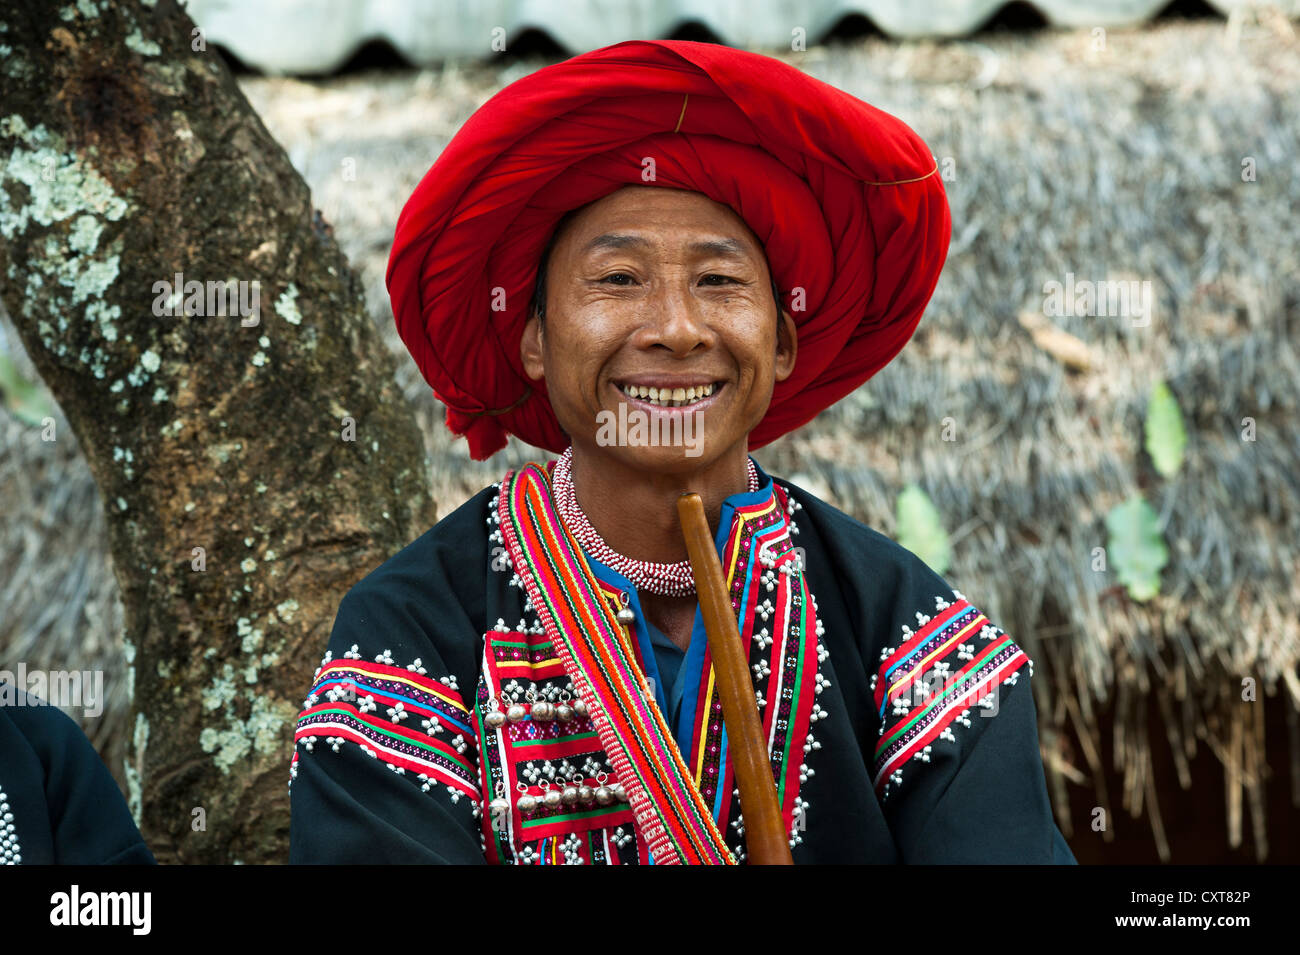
(319, 36)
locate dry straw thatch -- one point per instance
(1118, 164)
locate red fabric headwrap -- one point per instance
(846, 200)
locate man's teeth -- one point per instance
(668, 397)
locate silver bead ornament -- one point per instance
(564, 713)
(543, 712)
(604, 795)
(527, 803)
(625, 615)
(495, 719)
(516, 712)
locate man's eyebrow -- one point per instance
(614, 240)
(622, 240)
(726, 247)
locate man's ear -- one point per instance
(530, 349)
(787, 346)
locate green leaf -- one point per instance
(1137, 551)
(1165, 435)
(26, 400)
(920, 529)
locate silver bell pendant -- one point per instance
(543, 711)
(526, 802)
(552, 798)
(604, 794)
(625, 615)
(564, 709)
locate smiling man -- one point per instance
(662, 301)
(647, 262)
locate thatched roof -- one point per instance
(1120, 164)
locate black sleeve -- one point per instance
(970, 787)
(348, 807)
(355, 796)
(385, 766)
(72, 812)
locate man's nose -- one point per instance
(675, 319)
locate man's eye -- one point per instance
(617, 275)
(714, 275)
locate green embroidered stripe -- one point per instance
(544, 645)
(952, 690)
(489, 784)
(798, 682)
(559, 739)
(574, 816)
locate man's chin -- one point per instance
(662, 459)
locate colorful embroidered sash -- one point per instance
(599, 658)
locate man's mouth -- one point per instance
(670, 397)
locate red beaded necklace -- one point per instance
(666, 580)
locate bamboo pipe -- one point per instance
(765, 837)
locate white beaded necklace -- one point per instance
(666, 580)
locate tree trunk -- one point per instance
(254, 462)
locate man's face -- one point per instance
(657, 288)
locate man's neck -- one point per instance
(635, 511)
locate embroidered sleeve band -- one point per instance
(407, 720)
(955, 660)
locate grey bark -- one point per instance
(281, 448)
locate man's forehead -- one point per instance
(637, 218)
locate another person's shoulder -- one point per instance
(69, 809)
(46, 728)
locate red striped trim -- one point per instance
(315, 723)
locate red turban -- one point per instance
(846, 200)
